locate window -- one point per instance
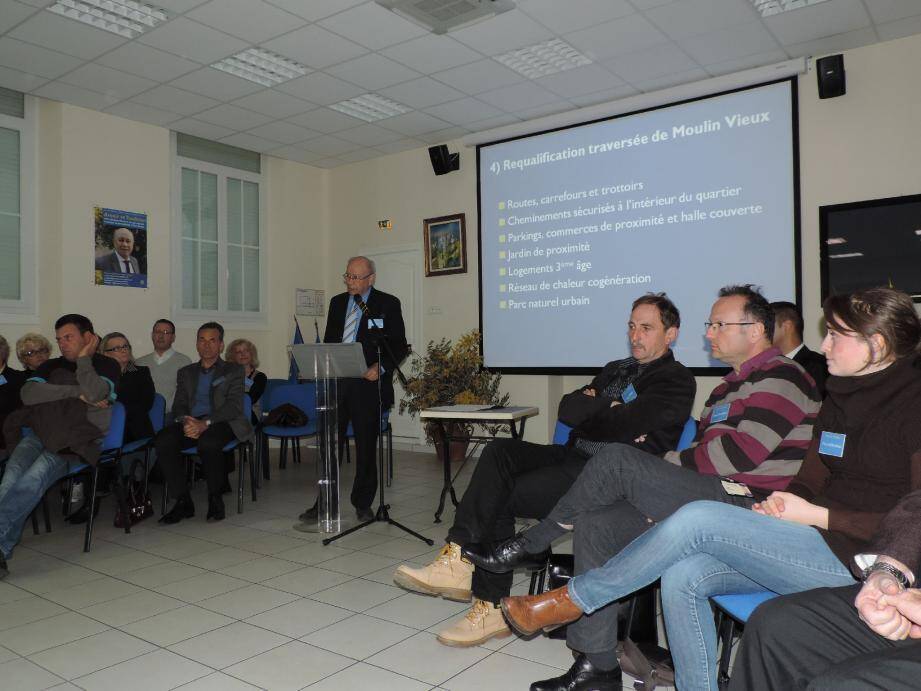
(17, 190)
(219, 232)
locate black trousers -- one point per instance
(815, 640)
(170, 441)
(512, 479)
(358, 404)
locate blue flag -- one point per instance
(298, 339)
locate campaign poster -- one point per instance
(120, 247)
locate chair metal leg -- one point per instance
(726, 628)
(296, 453)
(282, 458)
(264, 460)
(88, 537)
(35, 529)
(253, 471)
(46, 514)
(241, 460)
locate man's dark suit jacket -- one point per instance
(112, 263)
(380, 306)
(226, 396)
(815, 365)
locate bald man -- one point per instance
(120, 260)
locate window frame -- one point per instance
(187, 317)
(25, 309)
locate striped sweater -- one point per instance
(762, 442)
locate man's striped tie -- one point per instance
(351, 325)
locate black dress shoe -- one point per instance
(310, 514)
(502, 557)
(582, 676)
(365, 514)
(215, 508)
(183, 508)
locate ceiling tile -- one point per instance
(329, 145)
(413, 124)
(35, 60)
(359, 155)
(244, 140)
(12, 12)
(889, 10)
(649, 4)
(372, 72)
(145, 61)
(729, 44)
(295, 153)
(672, 80)
(328, 163)
(690, 17)
(818, 21)
(465, 110)
(197, 128)
(39, 3)
(176, 100)
(651, 63)
(283, 132)
(442, 136)
(66, 35)
(76, 95)
(579, 80)
(508, 31)
(479, 76)
(518, 97)
(420, 93)
(141, 113)
(546, 109)
(315, 47)
(314, 11)
(748, 62)
(574, 14)
(493, 123)
(320, 88)
(114, 83)
(432, 53)
(194, 41)
(216, 84)
(372, 26)
(605, 96)
(254, 21)
(899, 29)
(833, 44)
(399, 145)
(178, 6)
(619, 37)
(325, 120)
(274, 103)
(20, 81)
(369, 135)
(232, 117)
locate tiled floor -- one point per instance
(249, 603)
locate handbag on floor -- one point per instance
(137, 499)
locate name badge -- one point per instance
(832, 444)
(218, 381)
(375, 323)
(628, 394)
(720, 413)
(2, 380)
(736, 489)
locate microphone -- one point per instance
(362, 305)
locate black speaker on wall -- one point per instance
(442, 160)
(830, 73)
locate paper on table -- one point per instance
(463, 408)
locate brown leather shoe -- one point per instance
(530, 613)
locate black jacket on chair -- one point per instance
(380, 306)
(815, 365)
(135, 391)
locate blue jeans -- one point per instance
(30, 471)
(709, 548)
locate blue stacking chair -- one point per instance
(301, 396)
(732, 608)
(157, 415)
(561, 433)
(386, 430)
(270, 386)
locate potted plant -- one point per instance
(451, 373)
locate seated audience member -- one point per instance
(135, 388)
(68, 407)
(32, 350)
(643, 400)
(850, 638)
(164, 363)
(863, 459)
(788, 338)
(11, 381)
(755, 429)
(207, 414)
(244, 353)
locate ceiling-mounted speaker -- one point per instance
(830, 73)
(442, 160)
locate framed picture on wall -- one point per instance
(445, 245)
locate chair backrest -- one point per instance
(740, 606)
(561, 433)
(157, 412)
(270, 386)
(247, 407)
(687, 434)
(115, 437)
(301, 396)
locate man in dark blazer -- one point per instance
(207, 414)
(346, 322)
(120, 260)
(788, 337)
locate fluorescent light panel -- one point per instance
(261, 66)
(370, 107)
(846, 255)
(771, 7)
(835, 241)
(542, 59)
(123, 17)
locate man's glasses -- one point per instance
(719, 326)
(118, 349)
(37, 351)
(356, 277)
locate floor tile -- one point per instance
(23, 675)
(116, 566)
(425, 659)
(359, 636)
(363, 676)
(47, 633)
(92, 653)
(6, 655)
(135, 607)
(500, 672)
(11, 593)
(313, 553)
(400, 548)
(57, 579)
(546, 651)
(299, 618)
(417, 611)
(218, 681)
(358, 594)
(359, 563)
(261, 569)
(247, 602)
(161, 574)
(94, 592)
(269, 543)
(289, 667)
(219, 558)
(201, 587)
(177, 625)
(306, 580)
(228, 645)
(156, 671)
(27, 610)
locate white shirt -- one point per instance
(793, 352)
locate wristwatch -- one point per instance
(888, 568)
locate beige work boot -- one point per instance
(483, 621)
(449, 576)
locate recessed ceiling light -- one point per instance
(370, 107)
(542, 59)
(846, 255)
(442, 16)
(123, 17)
(835, 241)
(261, 66)
(771, 7)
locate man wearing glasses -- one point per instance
(164, 363)
(348, 322)
(751, 440)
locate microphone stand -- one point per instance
(383, 509)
